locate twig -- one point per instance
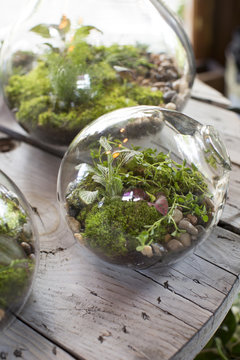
(29, 140)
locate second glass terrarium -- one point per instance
(143, 185)
(19, 251)
(68, 62)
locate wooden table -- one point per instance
(82, 308)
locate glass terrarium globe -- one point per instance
(19, 250)
(65, 63)
(143, 185)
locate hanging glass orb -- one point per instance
(65, 63)
(18, 250)
(142, 185)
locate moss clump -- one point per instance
(12, 216)
(14, 281)
(113, 228)
(16, 268)
(21, 88)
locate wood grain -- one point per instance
(20, 341)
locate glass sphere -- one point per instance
(143, 185)
(18, 250)
(65, 63)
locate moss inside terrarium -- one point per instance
(16, 252)
(133, 202)
(72, 85)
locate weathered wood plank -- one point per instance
(20, 341)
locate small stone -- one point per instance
(79, 238)
(74, 224)
(166, 63)
(174, 245)
(27, 229)
(156, 250)
(147, 250)
(185, 239)
(168, 96)
(171, 74)
(193, 219)
(200, 229)
(154, 88)
(209, 203)
(32, 257)
(176, 85)
(170, 106)
(167, 237)
(140, 79)
(145, 82)
(186, 225)
(26, 247)
(159, 84)
(2, 314)
(177, 215)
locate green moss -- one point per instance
(32, 108)
(113, 228)
(25, 87)
(12, 216)
(145, 96)
(14, 281)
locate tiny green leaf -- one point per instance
(205, 218)
(41, 30)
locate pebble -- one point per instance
(32, 257)
(147, 250)
(193, 219)
(174, 245)
(156, 250)
(26, 247)
(170, 106)
(177, 215)
(159, 84)
(74, 224)
(79, 238)
(146, 82)
(27, 230)
(176, 85)
(200, 229)
(168, 96)
(2, 314)
(209, 203)
(185, 224)
(167, 237)
(185, 239)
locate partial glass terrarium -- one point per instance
(68, 62)
(18, 250)
(143, 185)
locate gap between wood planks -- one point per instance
(55, 343)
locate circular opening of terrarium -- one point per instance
(18, 250)
(144, 189)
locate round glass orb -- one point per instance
(143, 185)
(65, 63)
(19, 250)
